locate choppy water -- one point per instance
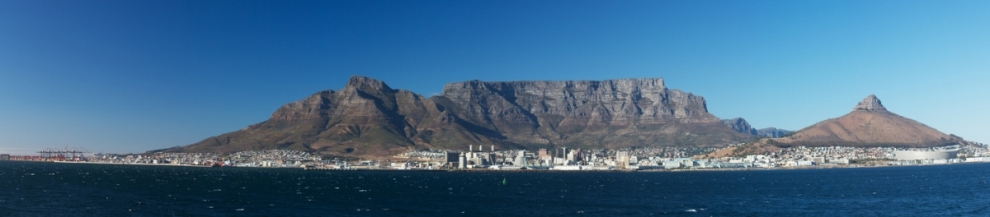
(57, 189)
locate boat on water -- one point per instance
(213, 164)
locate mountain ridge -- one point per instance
(368, 118)
(742, 126)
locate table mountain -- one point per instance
(369, 118)
(590, 114)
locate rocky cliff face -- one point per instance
(870, 103)
(621, 102)
(367, 117)
(740, 125)
(611, 113)
(772, 132)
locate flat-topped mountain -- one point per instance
(870, 124)
(591, 114)
(367, 117)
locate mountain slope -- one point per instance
(368, 118)
(870, 124)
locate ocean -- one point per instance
(66, 189)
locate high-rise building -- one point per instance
(521, 158)
(452, 157)
(622, 160)
(578, 155)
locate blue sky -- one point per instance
(130, 76)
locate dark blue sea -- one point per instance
(63, 189)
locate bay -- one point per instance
(65, 189)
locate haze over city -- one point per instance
(127, 76)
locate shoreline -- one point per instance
(139, 164)
(523, 171)
(145, 164)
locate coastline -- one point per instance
(106, 163)
(147, 164)
(528, 170)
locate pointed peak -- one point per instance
(361, 82)
(870, 103)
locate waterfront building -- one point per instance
(671, 164)
(543, 155)
(568, 168)
(622, 160)
(978, 159)
(480, 158)
(840, 161)
(925, 154)
(818, 160)
(451, 157)
(520, 159)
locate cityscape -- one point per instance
(557, 159)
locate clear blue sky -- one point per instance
(130, 76)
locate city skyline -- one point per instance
(123, 76)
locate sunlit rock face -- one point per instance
(367, 117)
(740, 125)
(610, 113)
(870, 103)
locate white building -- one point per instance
(925, 155)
